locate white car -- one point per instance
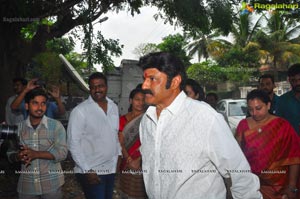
(233, 110)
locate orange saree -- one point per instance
(270, 150)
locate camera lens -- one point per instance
(7, 130)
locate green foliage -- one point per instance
(59, 17)
(221, 16)
(194, 14)
(144, 49)
(175, 44)
(29, 31)
(48, 67)
(279, 42)
(206, 73)
(203, 45)
(236, 56)
(61, 45)
(102, 51)
(209, 73)
(79, 63)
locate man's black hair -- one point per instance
(294, 70)
(97, 75)
(265, 76)
(167, 63)
(214, 95)
(35, 92)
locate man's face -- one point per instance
(37, 107)
(98, 89)
(155, 87)
(295, 83)
(211, 100)
(266, 85)
(18, 87)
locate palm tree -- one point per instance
(280, 42)
(244, 30)
(242, 51)
(204, 45)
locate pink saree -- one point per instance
(270, 150)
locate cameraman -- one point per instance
(53, 109)
(43, 147)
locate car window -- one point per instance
(221, 106)
(238, 108)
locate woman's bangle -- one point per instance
(293, 189)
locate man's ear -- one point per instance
(269, 105)
(176, 81)
(26, 106)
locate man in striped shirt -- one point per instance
(42, 148)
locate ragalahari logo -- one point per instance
(246, 8)
(282, 7)
(276, 6)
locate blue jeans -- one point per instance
(103, 190)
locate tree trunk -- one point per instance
(275, 70)
(15, 54)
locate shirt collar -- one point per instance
(173, 108)
(177, 102)
(43, 122)
(91, 100)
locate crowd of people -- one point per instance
(171, 144)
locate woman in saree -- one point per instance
(131, 178)
(271, 147)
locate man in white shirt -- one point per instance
(93, 140)
(187, 147)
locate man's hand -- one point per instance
(31, 85)
(92, 178)
(54, 92)
(26, 155)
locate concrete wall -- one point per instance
(121, 81)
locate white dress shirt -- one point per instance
(93, 137)
(188, 149)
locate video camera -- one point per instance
(7, 131)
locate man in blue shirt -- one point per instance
(288, 105)
(54, 109)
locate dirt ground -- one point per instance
(71, 189)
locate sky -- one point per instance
(132, 31)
